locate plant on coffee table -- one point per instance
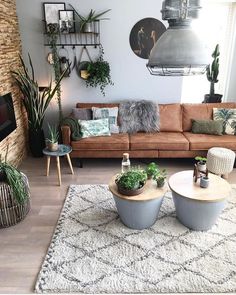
(160, 177)
(201, 163)
(152, 170)
(131, 182)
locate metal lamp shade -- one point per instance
(178, 52)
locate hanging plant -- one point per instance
(54, 60)
(99, 73)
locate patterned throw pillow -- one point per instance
(94, 128)
(110, 113)
(228, 116)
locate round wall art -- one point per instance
(144, 35)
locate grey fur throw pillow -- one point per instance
(137, 116)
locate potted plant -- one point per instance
(201, 163)
(131, 183)
(212, 76)
(152, 170)
(36, 104)
(52, 140)
(160, 178)
(87, 22)
(99, 73)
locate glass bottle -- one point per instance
(125, 164)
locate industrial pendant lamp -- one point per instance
(179, 51)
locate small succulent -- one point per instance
(160, 177)
(152, 169)
(201, 160)
(53, 134)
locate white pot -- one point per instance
(201, 167)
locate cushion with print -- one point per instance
(110, 113)
(228, 117)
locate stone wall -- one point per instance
(10, 49)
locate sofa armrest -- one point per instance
(66, 133)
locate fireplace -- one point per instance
(7, 116)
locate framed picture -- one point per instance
(51, 9)
(144, 35)
(66, 21)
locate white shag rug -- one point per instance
(93, 252)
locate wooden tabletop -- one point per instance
(183, 184)
(150, 191)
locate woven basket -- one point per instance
(10, 211)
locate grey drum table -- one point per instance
(198, 208)
(63, 150)
(141, 211)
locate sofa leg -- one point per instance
(78, 162)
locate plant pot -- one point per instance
(52, 147)
(160, 182)
(212, 98)
(88, 27)
(3, 176)
(130, 193)
(201, 167)
(204, 182)
(36, 142)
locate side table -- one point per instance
(198, 208)
(63, 150)
(141, 211)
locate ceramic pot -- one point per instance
(204, 182)
(212, 98)
(130, 193)
(36, 142)
(88, 27)
(201, 167)
(160, 182)
(52, 147)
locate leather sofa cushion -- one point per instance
(170, 117)
(200, 111)
(109, 143)
(159, 141)
(205, 141)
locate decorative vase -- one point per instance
(204, 182)
(36, 142)
(52, 147)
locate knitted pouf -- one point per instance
(220, 160)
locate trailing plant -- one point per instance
(132, 179)
(91, 17)
(53, 34)
(15, 179)
(201, 160)
(213, 70)
(35, 102)
(152, 169)
(53, 134)
(99, 73)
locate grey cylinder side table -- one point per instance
(141, 211)
(198, 208)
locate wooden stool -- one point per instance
(63, 150)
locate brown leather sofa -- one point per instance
(174, 140)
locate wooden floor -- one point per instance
(23, 247)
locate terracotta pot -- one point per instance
(52, 147)
(130, 193)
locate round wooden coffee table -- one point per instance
(198, 208)
(141, 211)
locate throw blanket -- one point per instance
(74, 127)
(137, 116)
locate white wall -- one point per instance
(129, 73)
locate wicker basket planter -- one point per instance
(11, 212)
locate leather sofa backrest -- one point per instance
(170, 117)
(96, 105)
(201, 111)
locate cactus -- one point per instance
(213, 70)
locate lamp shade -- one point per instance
(179, 51)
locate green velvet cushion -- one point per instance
(207, 127)
(94, 128)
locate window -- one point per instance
(215, 26)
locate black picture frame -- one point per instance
(50, 11)
(67, 15)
